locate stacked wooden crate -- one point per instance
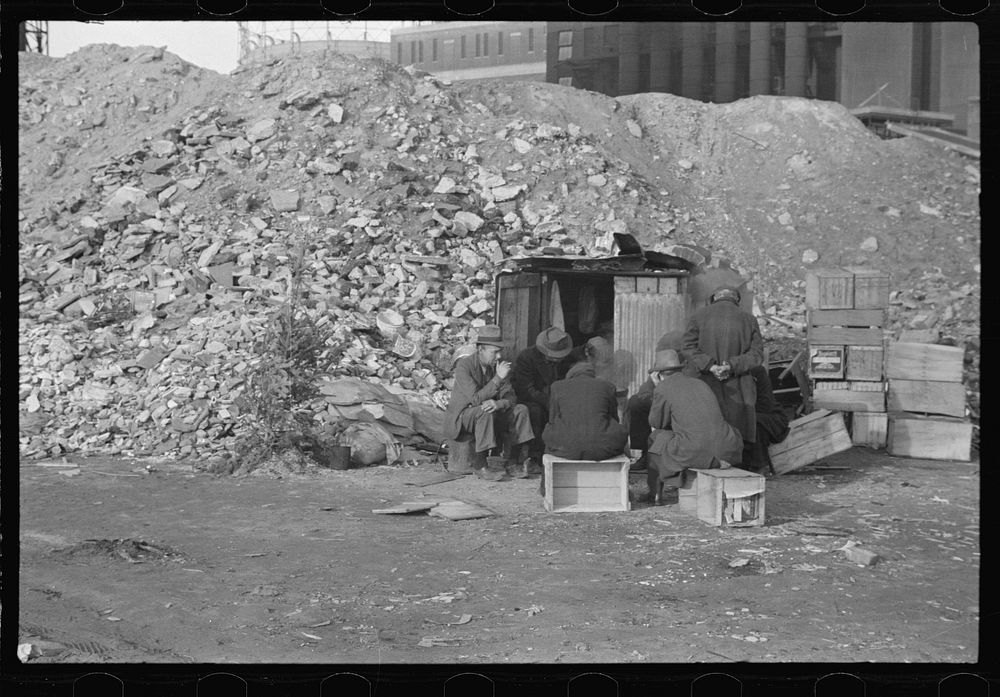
(847, 312)
(927, 402)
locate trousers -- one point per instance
(512, 423)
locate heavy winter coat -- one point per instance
(583, 417)
(723, 333)
(474, 384)
(688, 428)
(533, 375)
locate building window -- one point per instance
(565, 45)
(531, 40)
(479, 45)
(399, 52)
(486, 44)
(434, 49)
(463, 47)
(413, 51)
(499, 43)
(567, 81)
(420, 52)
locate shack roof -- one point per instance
(645, 264)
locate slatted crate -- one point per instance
(865, 363)
(849, 395)
(869, 428)
(930, 438)
(828, 289)
(871, 287)
(724, 498)
(927, 396)
(810, 438)
(586, 486)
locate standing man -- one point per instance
(535, 369)
(722, 345)
(482, 401)
(688, 429)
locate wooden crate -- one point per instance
(871, 287)
(849, 396)
(924, 362)
(865, 363)
(845, 336)
(846, 318)
(586, 486)
(869, 428)
(928, 396)
(930, 438)
(730, 497)
(826, 362)
(810, 438)
(829, 289)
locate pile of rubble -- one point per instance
(147, 272)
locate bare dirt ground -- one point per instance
(299, 569)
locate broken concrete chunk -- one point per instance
(285, 201)
(261, 130)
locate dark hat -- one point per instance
(667, 359)
(554, 342)
(726, 293)
(490, 335)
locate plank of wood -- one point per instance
(932, 397)
(849, 400)
(924, 362)
(569, 495)
(930, 438)
(460, 510)
(846, 318)
(864, 363)
(585, 475)
(645, 284)
(624, 284)
(845, 336)
(587, 508)
(812, 416)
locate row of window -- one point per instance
(482, 46)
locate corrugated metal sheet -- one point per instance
(640, 320)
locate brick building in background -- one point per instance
(915, 67)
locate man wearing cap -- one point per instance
(482, 401)
(638, 405)
(722, 344)
(535, 369)
(688, 429)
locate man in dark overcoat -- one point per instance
(721, 345)
(535, 369)
(482, 402)
(583, 417)
(689, 431)
(637, 407)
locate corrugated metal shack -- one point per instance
(639, 297)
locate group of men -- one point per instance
(707, 403)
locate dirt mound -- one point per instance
(162, 206)
(130, 550)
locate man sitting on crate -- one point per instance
(637, 407)
(583, 418)
(535, 369)
(483, 403)
(721, 345)
(688, 429)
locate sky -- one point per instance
(212, 45)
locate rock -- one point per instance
(685, 164)
(810, 256)
(445, 186)
(262, 130)
(505, 193)
(636, 130)
(597, 180)
(522, 146)
(861, 556)
(785, 219)
(335, 112)
(327, 204)
(284, 201)
(869, 245)
(470, 221)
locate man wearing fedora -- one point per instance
(722, 344)
(688, 429)
(535, 369)
(638, 405)
(483, 403)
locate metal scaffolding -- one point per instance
(34, 37)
